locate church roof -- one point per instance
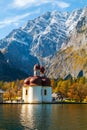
(46, 81)
(33, 81)
(37, 81)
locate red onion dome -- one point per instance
(46, 81)
(42, 69)
(35, 81)
(27, 81)
(36, 66)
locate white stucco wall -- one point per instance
(48, 96)
(35, 95)
(25, 96)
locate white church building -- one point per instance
(37, 89)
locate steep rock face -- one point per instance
(16, 51)
(73, 58)
(40, 39)
(68, 61)
(78, 35)
(72, 20)
(36, 41)
(47, 33)
(8, 73)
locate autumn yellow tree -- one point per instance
(53, 84)
(77, 92)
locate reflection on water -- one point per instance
(35, 117)
(43, 117)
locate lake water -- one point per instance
(43, 117)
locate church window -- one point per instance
(26, 92)
(45, 92)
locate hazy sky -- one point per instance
(15, 13)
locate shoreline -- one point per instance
(45, 103)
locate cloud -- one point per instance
(32, 3)
(13, 20)
(62, 4)
(20, 4)
(17, 19)
(27, 3)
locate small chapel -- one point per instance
(37, 88)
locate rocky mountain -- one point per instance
(72, 58)
(17, 52)
(7, 73)
(55, 39)
(35, 42)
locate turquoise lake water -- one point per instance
(43, 117)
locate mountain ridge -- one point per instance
(8, 73)
(40, 39)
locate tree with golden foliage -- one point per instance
(77, 92)
(63, 86)
(13, 90)
(53, 84)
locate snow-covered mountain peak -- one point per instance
(72, 20)
(42, 37)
